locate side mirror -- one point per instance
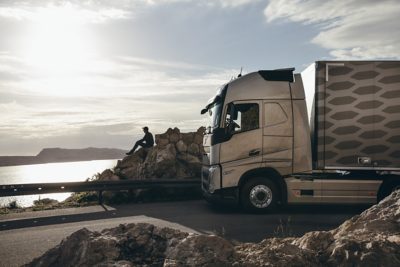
(229, 129)
(204, 110)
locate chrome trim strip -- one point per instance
(361, 168)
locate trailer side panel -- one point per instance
(357, 115)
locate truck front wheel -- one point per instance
(259, 195)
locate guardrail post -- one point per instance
(100, 197)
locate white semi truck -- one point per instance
(264, 147)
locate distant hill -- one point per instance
(49, 155)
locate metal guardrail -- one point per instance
(99, 186)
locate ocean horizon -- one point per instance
(76, 171)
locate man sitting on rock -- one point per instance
(146, 142)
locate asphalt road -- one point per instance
(22, 239)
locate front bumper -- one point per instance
(224, 196)
(211, 186)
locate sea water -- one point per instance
(49, 173)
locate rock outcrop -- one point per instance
(369, 239)
(176, 155)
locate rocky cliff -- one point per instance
(175, 155)
(369, 239)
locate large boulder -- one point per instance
(190, 165)
(175, 136)
(160, 163)
(125, 245)
(108, 175)
(369, 239)
(176, 155)
(193, 149)
(187, 138)
(200, 250)
(181, 147)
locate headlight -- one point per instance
(214, 178)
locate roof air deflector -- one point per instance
(280, 75)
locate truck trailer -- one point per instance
(330, 134)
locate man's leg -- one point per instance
(146, 146)
(138, 143)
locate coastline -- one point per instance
(49, 173)
(60, 161)
(61, 155)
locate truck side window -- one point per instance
(245, 117)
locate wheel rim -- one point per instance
(261, 196)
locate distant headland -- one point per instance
(51, 155)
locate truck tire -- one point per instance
(259, 195)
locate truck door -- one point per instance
(278, 135)
(244, 148)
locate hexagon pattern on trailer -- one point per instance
(358, 114)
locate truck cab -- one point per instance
(251, 137)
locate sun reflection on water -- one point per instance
(49, 173)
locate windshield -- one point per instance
(215, 115)
(214, 108)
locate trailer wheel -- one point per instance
(259, 195)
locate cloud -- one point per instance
(164, 64)
(113, 122)
(97, 11)
(80, 12)
(231, 3)
(211, 3)
(119, 76)
(108, 98)
(358, 29)
(11, 66)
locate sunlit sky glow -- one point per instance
(92, 73)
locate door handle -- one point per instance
(254, 152)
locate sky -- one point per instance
(92, 73)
